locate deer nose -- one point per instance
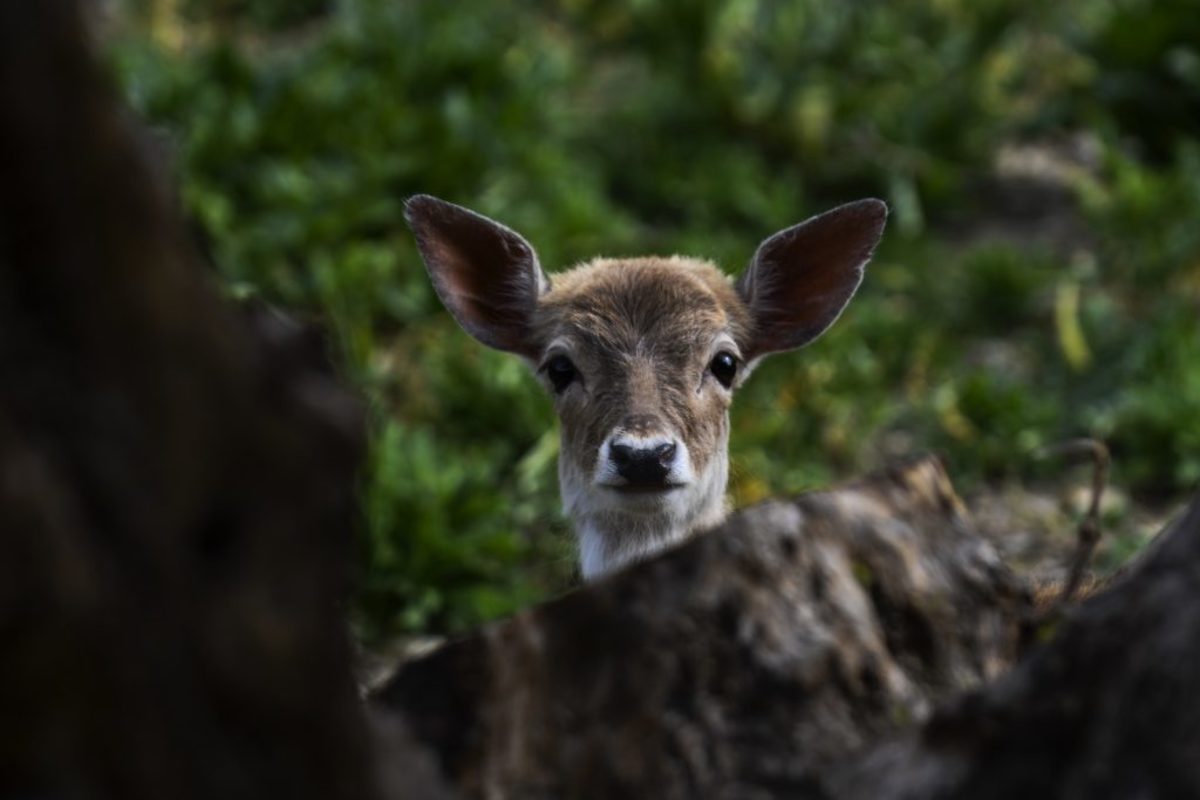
(643, 464)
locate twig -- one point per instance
(1089, 527)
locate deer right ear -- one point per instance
(486, 275)
(802, 277)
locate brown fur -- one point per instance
(641, 332)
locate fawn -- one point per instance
(642, 356)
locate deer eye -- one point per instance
(561, 372)
(724, 368)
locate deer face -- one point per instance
(642, 356)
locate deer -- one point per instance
(642, 356)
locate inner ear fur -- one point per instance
(486, 274)
(802, 277)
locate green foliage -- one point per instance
(622, 127)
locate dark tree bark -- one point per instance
(797, 652)
(742, 664)
(1110, 708)
(176, 481)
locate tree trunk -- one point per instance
(177, 481)
(741, 664)
(1109, 708)
(797, 652)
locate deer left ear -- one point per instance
(486, 275)
(801, 278)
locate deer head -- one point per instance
(643, 355)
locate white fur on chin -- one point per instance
(616, 529)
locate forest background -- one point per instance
(1039, 280)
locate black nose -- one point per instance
(643, 466)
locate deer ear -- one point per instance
(802, 277)
(486, 275)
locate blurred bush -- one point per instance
(1040, 279)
